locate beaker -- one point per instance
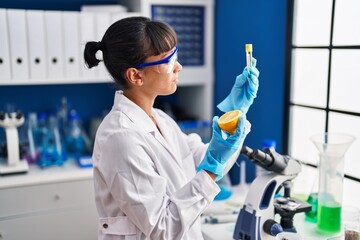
(332, 148)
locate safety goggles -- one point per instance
(165, 65)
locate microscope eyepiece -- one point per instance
(19, 114)
(259, 157)
(2, 115)
(263, 158)
(267, 158)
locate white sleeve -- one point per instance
(197, 147)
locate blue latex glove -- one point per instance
(220, 150)
(243, 92)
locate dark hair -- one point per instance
(127, 43)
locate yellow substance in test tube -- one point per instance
(229, 121)
(248, 50)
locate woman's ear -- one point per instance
(134, 76)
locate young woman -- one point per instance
(151, 180)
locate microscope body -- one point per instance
(14, 164)
(259, 207)
(256, 220)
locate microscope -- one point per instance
(256, 220)
(14, 163)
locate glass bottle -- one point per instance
(51, 146)
(76, 140)
(33, 154)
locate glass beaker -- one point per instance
(332, 148)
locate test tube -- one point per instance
(248, 50)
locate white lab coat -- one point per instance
(146, 185)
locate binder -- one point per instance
(117, 16)
(102, 24)
(71, 21)
(37, 45)
(54, 40)
(108, 8)
(18, 44)
(87, 33)
(5, 71)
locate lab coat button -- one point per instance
(105, 225)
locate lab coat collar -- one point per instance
(143, 121)
(133, 112)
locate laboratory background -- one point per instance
(307, 53)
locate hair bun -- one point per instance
(90, 53)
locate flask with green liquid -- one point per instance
(332, 148)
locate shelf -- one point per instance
(31, 82)
(70, 171)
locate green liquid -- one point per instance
(329, 218)
(311, 216)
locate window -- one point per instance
(324, 77)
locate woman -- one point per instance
(151, 180)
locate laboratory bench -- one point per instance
(58, 203)
(52, 203)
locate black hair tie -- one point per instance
(100, 45)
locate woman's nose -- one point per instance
(178, 67)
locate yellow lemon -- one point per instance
(229, 121)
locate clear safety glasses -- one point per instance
(165, 65)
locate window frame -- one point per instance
(288, 78)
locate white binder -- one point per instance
(71, 21)
(102, 24)
(87, 30)
(55, 48)
(18, 44)
(37, 44)
(5, 71)
(108, 8)
(117, 16)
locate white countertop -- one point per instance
(231, 205)
(68, 172)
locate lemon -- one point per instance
(229, 121)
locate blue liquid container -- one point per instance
(75, 137)
(51, 149)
